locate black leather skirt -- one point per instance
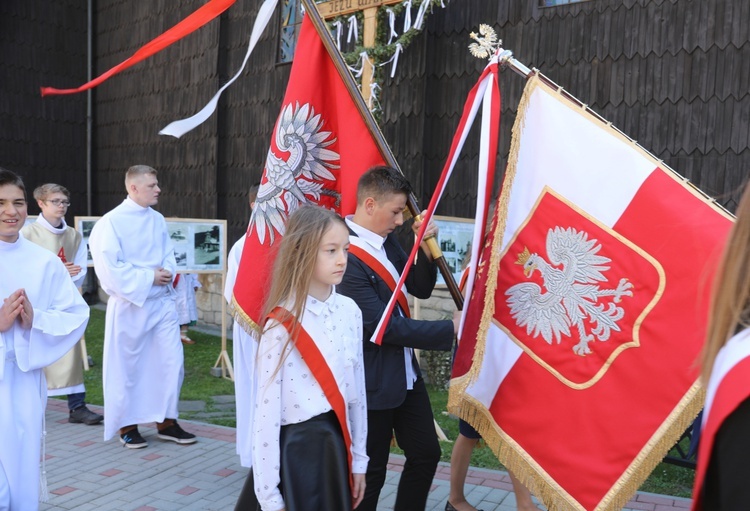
(314, 469)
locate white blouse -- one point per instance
(292, 395)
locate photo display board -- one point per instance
(454, 238)
(199, 244)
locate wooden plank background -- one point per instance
(672, 74)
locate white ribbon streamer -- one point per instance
(399, 50)
(352, 30)
(179, 128)
(358, 71)
(373, 96)
(420, 14)
(407, 16)
(339, 28)
(392, 24)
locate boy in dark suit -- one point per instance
(397, 400)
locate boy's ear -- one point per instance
(369, 204)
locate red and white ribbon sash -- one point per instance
(486, 93)
(362, 251)
(322, 374)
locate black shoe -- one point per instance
(133, 439)
(175, 433)
(85, 416)
(449, 507)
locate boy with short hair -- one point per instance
(42, 316)
(64, 377)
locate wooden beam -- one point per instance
(334, 8)
(377, 135)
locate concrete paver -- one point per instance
(85, 473)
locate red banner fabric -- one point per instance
(319, 149)
(583, 373)
(187, 26)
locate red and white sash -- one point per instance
(728, 387)
(384, 268)
(323, 375)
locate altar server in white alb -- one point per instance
(143, 358)
(64, 377)
(42, 316)
(245, 350)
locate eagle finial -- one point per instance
(486, 43)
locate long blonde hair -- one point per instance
(730, 302)
(295, 263)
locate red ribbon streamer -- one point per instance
(187, 26)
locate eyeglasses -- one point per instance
(58, 202)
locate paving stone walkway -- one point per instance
(84, 473)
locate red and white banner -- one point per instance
(577, 360)
(486, 94)
(320, 147)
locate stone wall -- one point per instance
(210, 298)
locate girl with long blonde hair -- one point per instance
(310, 425)
(723, 473)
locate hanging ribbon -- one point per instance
(399, 50)
(352, 30)
(374, 87)
(339, 28)
(407, 16)
(394, 59)
(358, 71)
(179, 128)
(421, 13)
(486, 94)
(187, 26)
(392, 24)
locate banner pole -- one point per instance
(506, 59)
(385, 151)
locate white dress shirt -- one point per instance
(377, 241)
(290, 394)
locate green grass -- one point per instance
(200, 357)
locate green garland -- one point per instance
(383, 52)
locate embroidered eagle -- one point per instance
(289, 182)
(571, 293)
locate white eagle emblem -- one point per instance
(290, 181)
(571, 294)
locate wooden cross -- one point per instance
(335, 8)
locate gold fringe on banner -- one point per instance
(458, 385)
(508, 452)
(245, 321)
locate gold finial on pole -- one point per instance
(487, 42)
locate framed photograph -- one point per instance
(84, 224)
(200, 245)
(454, 238)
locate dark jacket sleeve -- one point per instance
(371, 294)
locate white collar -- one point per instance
(54, 230)
(317, 307)
(374, 239)
(4, 245)
(133, 204)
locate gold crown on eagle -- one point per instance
(524, 256)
